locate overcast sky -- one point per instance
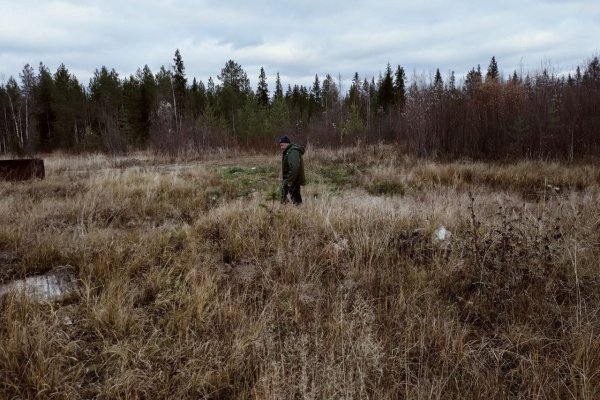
(298, 38)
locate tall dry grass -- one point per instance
(193, 287)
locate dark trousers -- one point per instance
(295, 195)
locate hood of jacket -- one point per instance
(294, 146)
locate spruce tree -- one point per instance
(386, 89)
(197, 98)
(43, 113)
(211, 92)
(131, 123)
(68, 106)
(316, 93)
(278, 89)
(452, 82)
(304, 100)
(400, 87)
(366, 99)
(578, 77)
(438, 82)
(592, 72)
(473, 80)
(492, 72)
(262, 90)
(373, 98)
(515, 78)
(148, 96)
(354, 93)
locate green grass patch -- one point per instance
(248, 180)
(338, 176)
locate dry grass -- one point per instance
(196, 284)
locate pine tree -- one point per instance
(14, 96)
(179, 88)
(234, 76)
(329, 92)
(179, 79)
(28, 84)
(106, 96)
(234, 90)
(262, 91)
(4, 145)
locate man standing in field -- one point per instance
(292, 171)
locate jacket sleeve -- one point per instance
(294, 164)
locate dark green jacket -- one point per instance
(292, 167)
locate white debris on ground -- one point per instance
(442, 233)
(442, 236)
(49, 287)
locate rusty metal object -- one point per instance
(22, 170)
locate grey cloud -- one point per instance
(298, 39)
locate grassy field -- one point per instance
(196, 283)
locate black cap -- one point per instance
(284, 139)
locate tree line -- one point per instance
(485, 116)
